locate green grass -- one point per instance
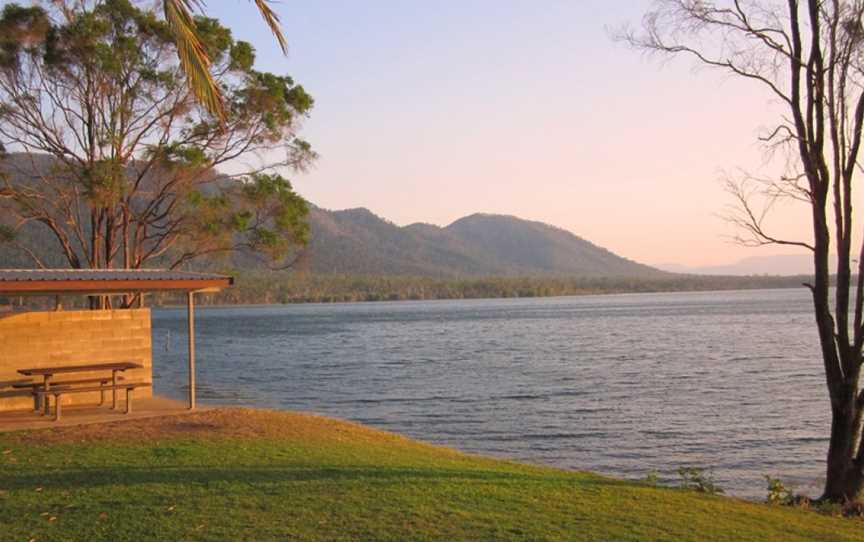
(250, 475)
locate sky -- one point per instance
(430, 111)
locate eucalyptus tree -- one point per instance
(108, 151)
(809, 56)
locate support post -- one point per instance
(190, 314)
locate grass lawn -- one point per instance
(238, 474)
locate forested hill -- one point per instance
(356, 241)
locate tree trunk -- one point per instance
(844, 481)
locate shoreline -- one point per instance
(176, 306)
(274, 289)
(250, 291)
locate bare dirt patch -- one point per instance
(216, 424)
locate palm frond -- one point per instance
(272, 20)
(192, 54)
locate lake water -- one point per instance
(620, 384)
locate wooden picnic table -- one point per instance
(47, 373)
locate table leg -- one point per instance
(46, 385)
(114, 391)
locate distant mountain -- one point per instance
(778, 265)
(359, 242)
(356, 241)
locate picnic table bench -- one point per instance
(35, 387)
(48, 387)
(58, 392)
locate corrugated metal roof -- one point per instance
(106, 281)
(39, 275)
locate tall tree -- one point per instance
(810, 56)
(108, 149)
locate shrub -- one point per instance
(652, 479)
(777, 492)
(696, 479)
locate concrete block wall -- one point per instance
(51, 339)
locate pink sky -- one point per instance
(429, 112)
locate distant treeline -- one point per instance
(256, 288)
(283, 288)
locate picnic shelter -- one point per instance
(61, 341)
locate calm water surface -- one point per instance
(623, 384)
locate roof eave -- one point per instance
(112, 287)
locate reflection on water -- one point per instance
(623, 384)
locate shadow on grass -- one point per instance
(97, 477)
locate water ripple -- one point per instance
(624, 384)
